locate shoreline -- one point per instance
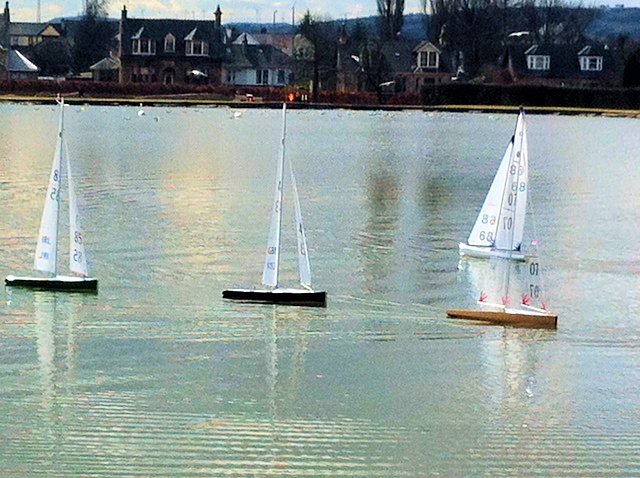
(203, 102)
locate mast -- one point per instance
(272, 261)
(517, 153)
(57, 224)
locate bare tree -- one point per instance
(391, 18)
(93, 36)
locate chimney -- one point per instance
(123, 15)
(218, 14)
(6, 15)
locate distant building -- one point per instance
(15, 66)
(171, 51)
(588, 65)
(107, 69)
(17, 40)
(248, 62)
(430, 65)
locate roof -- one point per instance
(250, 39)
(256, 56)
(106, 64)
(17, 62)
(282, 41)
(26, 28)
(564, 62)
(399, 55)
(182, 30)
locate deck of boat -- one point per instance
(300, 297)
(514, 319)
(67, 283)
(483, 252)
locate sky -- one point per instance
(233, 10)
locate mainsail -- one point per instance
(47, 248)
(500, 223)
(304, 269)
(271, 263)
(77, 256)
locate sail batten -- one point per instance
(272, 259)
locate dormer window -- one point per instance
(429, 59)
(591, 63)
(143, 47)
(169, 43)
(196, 48)
(538, 62)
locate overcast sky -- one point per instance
(233, 10)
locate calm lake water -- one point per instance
(157, 376)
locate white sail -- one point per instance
(304, 268)
(500, 223)
(521, 183)
(486, 226)
(47, 247)
(77, 256)
(514, 199)
(533, 290)
(271, 263)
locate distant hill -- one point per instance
(614, 22)
(609, 24)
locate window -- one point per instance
(591, 63)
(433, 59)
(538, 62)
(196, 48)
(262, 77)
(281, 77)
(170, 43)
(143, 47)
(429, 59)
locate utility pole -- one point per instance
(274, 20)
(38, 12)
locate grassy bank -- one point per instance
(207, 102)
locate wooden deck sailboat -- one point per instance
(499, 228)
(47, 249)
(305, 296)
(495, 303)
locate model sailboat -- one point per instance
(275, 294)
(517, 301)
(46, 256)
(499, 228)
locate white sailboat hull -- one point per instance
(69, 283)
(486, 252)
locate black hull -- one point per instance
(306, 299)
(89, 285)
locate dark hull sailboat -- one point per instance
(299, 297)
(66, 283)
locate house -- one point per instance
(15, 41)
(106, 69)
(251, 63)
(15, 66)
(586, 66)
(430, 65)
(171, 51)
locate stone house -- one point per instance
(589, 65)
(171, 51)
